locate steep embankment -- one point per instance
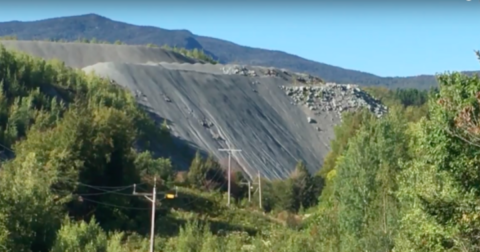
(80, 55)
(218, 106)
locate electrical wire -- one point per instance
(6, 148)
(157, 207)
(99, 187)
(103, 187)
(116, 192)
(116, 189)
(198, 198)
(116, 206)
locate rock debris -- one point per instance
(333, 97)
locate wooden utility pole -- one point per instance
(260, 190)
(229, 170)
(153, 199)
(249, 191)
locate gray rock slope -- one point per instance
(81, 54)
(274, 116)
(227, 111)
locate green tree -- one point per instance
(305, 190)
(440, 188)
(149, 167)
(196, 173)
(31, 212)
(83, 236)
(365, 209)
(285, 196)
(214, 175)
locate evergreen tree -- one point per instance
(196, 176)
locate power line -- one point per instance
(116, 192)
(6, 148)
(102, 187)
(116, 206)
(104, 190)
(80, 183)
(196, 199)
(123, 207)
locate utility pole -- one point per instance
(260, 190)
(153, 200)
(229, 171)
(249, 192)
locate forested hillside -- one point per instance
(405, 182)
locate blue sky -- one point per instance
(399, 39)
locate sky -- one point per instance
(399, 38)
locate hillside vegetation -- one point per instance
(102, 28)
(405, 182)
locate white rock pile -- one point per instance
(240, 70)
(334, 98)
(300, 78)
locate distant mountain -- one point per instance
(102, 28)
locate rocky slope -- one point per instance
(274, 116)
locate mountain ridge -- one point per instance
(96, 26)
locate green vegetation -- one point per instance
(412, 101)
(405, 182)
(194, 53)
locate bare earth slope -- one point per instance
(220, 111)
(81, 54)
(275, 117)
